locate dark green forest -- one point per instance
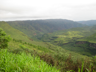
(53, 45)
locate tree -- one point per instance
(4, 39)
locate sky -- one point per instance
(75, 10)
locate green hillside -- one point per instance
(91, 39)
(52, 54)
(21, 43)
(18, 35)
(36, 28)
(68, 39)
(68, 35)
(14, 33)
(25, 50)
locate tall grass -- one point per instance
(10, 62)
(56, 56)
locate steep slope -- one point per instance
(18, 35)
(14, 33)
(36, 28)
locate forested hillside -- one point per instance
(14, 33)
(35, 28)
(76, 39)
(58, 51)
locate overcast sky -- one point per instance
(47, 9)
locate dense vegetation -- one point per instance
(54, 55)
(75, 39)
(21, 61)
(36, 28)
(67, 50)
(10, 62)
(3, 39)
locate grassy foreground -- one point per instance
(65, 61)
(10, 62)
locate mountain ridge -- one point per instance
(35, 28)
(88, 22)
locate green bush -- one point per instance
(22, 46)
(4, 39)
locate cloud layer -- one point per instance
(45, 9)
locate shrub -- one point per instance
(4, 39)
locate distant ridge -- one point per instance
(89, 22)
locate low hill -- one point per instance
(35, 28)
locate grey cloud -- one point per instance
(34, 10)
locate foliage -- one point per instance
(10, 62)
(4, 39)
(56, 56)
